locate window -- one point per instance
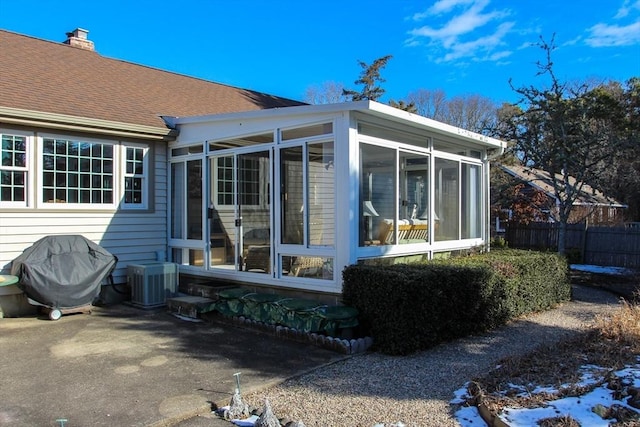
(292, 195)
(378, 194)
(72, 172)
(253, 173)
(135, 177)
(471, 201)
(77, 172)
(224, 183)
(241, 141)
(13, 170)
(321, 193)
(395, 196)
(447, 199)
(307, 182)
(414, 198)
(307, 131)
(186, 195)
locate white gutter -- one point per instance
(17, 116)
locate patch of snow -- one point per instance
(461, 395)
(600, 269)
(579, 408)
(469, 417)
(247, 422)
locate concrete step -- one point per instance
(191, 306)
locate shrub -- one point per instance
(410, 307)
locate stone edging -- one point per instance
(339, 345)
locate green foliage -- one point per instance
(499, 242)
(407, 308)
(406, 106)
(369, 78)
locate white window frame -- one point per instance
(224, 207)
(78, 206)
(215, 181)
(144, 176)
(27, 169)
(34, 173)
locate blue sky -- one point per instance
(283, 47)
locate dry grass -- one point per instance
(612, 344)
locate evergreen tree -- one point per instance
(370, 78)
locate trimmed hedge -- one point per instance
(411, 307)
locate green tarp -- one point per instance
(298, 313)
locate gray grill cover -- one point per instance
(63, 271)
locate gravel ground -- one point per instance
(372, 388)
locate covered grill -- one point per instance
(63, 272)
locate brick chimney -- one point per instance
(78, 38)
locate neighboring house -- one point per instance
(230, 184)
(537, 201)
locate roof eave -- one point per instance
(365, 107)
(18, 116)
(396, 114)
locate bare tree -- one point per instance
(329, 92)
(429, 103)
(567, 130)
(472, 112)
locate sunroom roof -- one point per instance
(365, 108)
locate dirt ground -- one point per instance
(626, 286)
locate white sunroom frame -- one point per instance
(392, 128)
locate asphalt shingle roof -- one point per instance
(542, 180)
(53, 77)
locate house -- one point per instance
(538, 202)
(228, 183)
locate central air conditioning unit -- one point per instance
(152, 283)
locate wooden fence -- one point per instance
(605, 246)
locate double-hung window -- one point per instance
(135, 177)
(14, 169)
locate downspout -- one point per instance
(490, 154)
(164, 255)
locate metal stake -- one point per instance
(237, 375)
(62, 421)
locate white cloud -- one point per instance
(440, 7)
(626, 7)
(481, 49)
(460, 33)
(443, 6)
(604, 35)
(499, 55)
(573, 41)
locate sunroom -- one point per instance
(287, 198)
